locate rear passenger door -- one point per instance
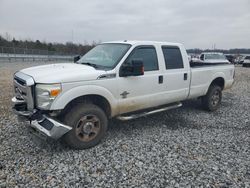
(176, 75)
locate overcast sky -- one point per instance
(195, 23)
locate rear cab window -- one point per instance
(173, 57)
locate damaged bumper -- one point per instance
(42, 124)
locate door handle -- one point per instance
(160, 80)
(185, 76)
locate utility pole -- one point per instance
(213, 46)
(72, 35)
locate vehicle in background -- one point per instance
(246, 61)
(213, 57)
(193, 57)
(239, 59)
(195, 60)
(230, 58)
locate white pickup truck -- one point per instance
(213, 57)
(124, 80)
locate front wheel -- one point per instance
(89, 124)
(211, 101)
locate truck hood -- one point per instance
(62, 72)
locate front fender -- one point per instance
(62, 100)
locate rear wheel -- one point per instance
(89, 124)
(211, 101)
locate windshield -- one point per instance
(247, 57)
(105, 55)
(215, 56)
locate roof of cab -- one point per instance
(137, 42)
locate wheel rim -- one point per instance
(215, 98)
(88, 127)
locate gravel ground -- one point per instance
(186, 147)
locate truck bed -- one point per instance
(203, 74)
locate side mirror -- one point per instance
(136, 68)
(76, 58)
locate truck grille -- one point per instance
(23, 88)
(20, 81)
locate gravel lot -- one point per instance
(186, 147)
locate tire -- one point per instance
(89, 124)
(212, 100)
(243, 65)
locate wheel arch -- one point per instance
(219, 81)
(97, 100)
(94, 94)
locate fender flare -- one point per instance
(215, 76)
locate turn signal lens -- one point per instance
(55, 92)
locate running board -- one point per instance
(143, 114)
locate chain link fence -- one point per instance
(25, 54)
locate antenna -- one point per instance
(72, 35)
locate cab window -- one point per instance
(173, 57)
(147, 54)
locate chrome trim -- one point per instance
(24, 91)
(30, 100)
(26, 113)
(15, 101)
(56, 132)
(143, 114)
(21, 87)
(106, 76)
(28, 79)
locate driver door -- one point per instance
(139, 92)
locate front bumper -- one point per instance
(50, 127)
(40, 123)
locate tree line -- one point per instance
(68, 48)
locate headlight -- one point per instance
(46, 93)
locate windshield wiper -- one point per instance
(89, 64)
